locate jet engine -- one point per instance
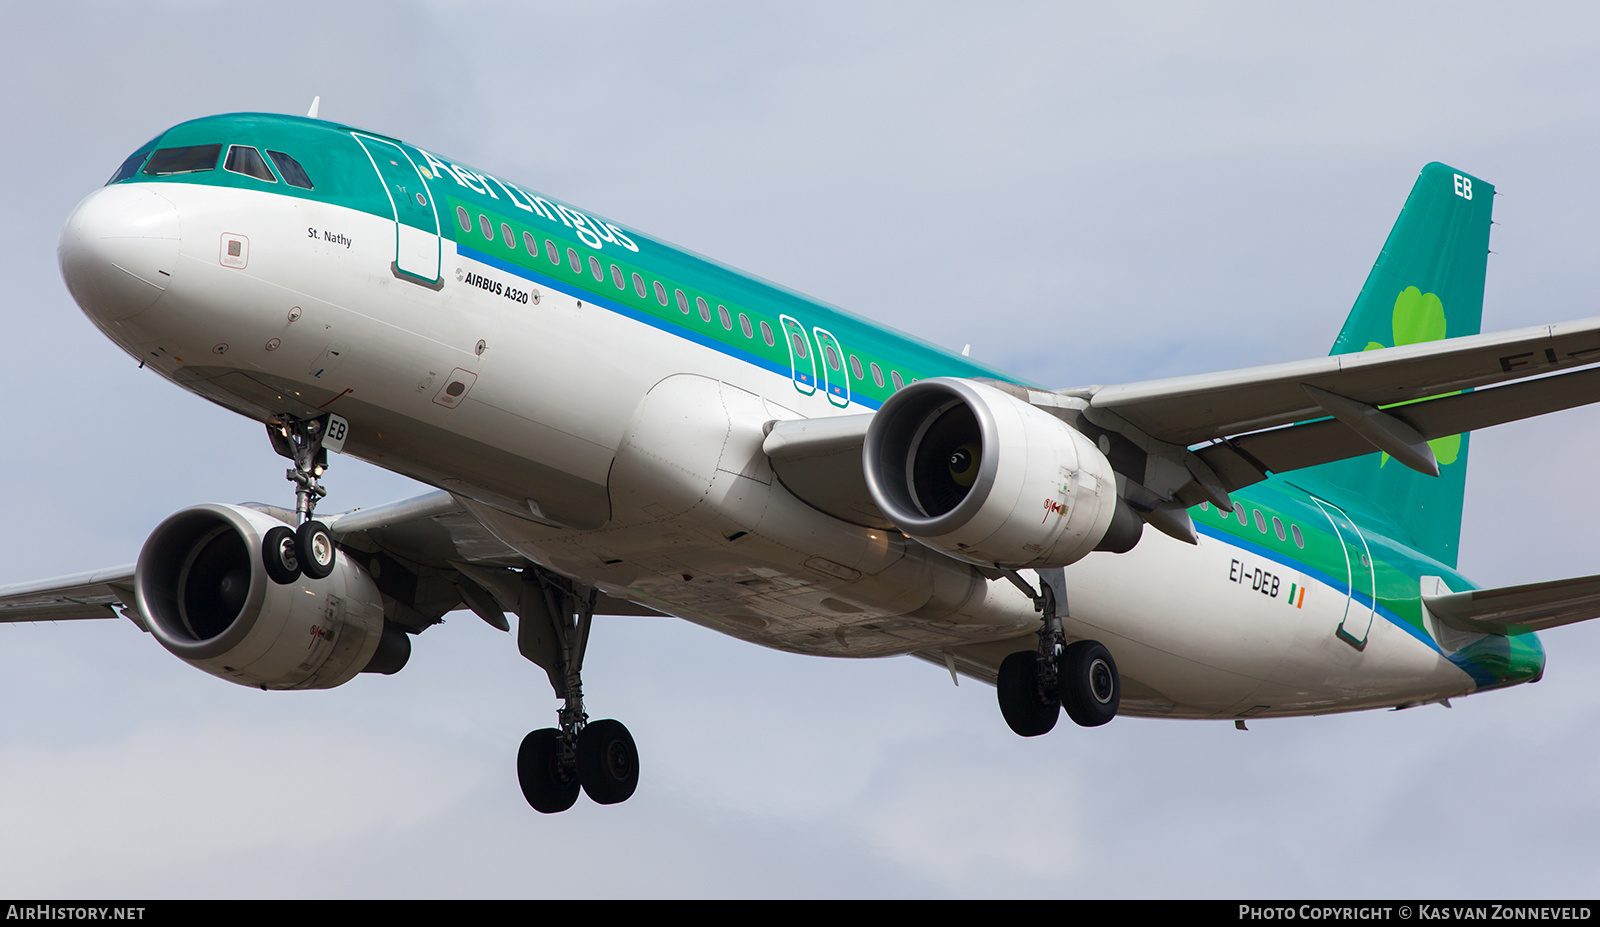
(989, 479)
(204, 592)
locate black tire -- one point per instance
(1091, 689)
(314, 546)
(540, 775)
(608, 762)
(1027, 711)
(278, 555)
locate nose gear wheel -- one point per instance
(310, 550)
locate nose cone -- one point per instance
(119, 250)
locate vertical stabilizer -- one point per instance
(1427, 284)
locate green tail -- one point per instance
(1426, 285)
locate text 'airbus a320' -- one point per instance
(617, 426)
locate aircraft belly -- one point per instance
(1213, 640)
(700, 529)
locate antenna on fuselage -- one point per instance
(316, 101)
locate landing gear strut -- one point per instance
(287, 553)
(553, 763)
(1034, 685)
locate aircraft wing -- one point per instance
(1519, 609)
(1189, 410)
(96, 594)
(432, 557)
(819, 460)
(1258, 420)
(1283, 417)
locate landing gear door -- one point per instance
(802, 360)
(416, 221)
(1360, 576)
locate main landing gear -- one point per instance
(287, 553)
(597, 756)
(1034, 685)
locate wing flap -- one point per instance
(1519, 609)
(1247, 459)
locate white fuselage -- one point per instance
(631, 458)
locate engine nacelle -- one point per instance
(987, 478)
(205, 595)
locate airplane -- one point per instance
(618, 426)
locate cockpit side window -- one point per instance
(189, 159)
(134, 162)
(243, 159)
(293, 174)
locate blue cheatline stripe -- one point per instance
(1479, 674)
(681, 331)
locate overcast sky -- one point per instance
(1083, 195)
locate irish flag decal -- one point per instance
(1297, 595)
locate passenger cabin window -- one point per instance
(877, 374)
(508, 236)
(463, 218)
(1238, 512)
(661, 293)
(1261, 523)
(683, 301)
(638, 285)
(727, 320)
(744, 326)
(574, 260)
(705, 310)
(552, 252)
(485, 226)
(832, 355)
(855, 366)
(766, 335)
(799, 342)
(595, 269)
(1299, 540)
(243, 159)
(895, 376)
(531, 243)
(191, 159)
(1277, 527)
(293, 174)
(617, 278)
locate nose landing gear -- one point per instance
(1034, 685)
(308, 550)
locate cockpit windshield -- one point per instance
(134, 162)
(293, 174)
(187, 160)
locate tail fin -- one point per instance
(1427, 284)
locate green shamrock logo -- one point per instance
(1419, 317)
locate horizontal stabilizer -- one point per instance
(1519, 609)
